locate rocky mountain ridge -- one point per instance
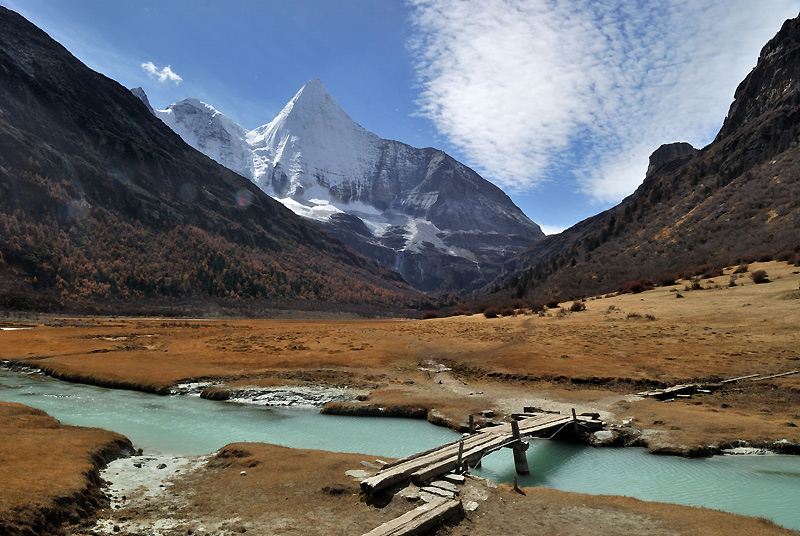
(418, 211)
(104, 208)
(737, 198)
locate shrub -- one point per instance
(747, 259)
(650, 317)
(633, 287)
(702, 269)
(741, 269)
(667, 280)
(577, 306)
(429, 314)
(711, 272)
(481, 307)
(759, 276)
(506, 310)
(766, 256)
(732, 281)
(634, 315)
(537, 306)
(491, 312)
(552, 303)
(517, 303)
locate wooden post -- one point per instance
(574, 422)
(472, 431)
(460, 454)
(519, 448)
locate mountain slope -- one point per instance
(102, 206)
(417, 210)
(738, 196)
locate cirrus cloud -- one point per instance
(162, 75)
(540, 90)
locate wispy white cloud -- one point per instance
(162, 75)
(538, 90)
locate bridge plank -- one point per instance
(421, 520)
(436, 462)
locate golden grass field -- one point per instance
(592, 360)
(48, 471)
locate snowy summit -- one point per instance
(416, 210)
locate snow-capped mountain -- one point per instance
(420, 211)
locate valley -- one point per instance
(444, 369)
(592, 359)
(157, 260)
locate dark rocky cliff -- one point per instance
(738, 196)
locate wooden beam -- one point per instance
(740, 378)
(421, 520)
(520, 458)
(782, 374)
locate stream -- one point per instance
(755, 485)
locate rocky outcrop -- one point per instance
(772, 86)
(669, 153)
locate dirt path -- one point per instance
(510, 400)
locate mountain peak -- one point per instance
(313, 100)
(772, 84)
(142, 96)
(669, 152)
(416, 210)
(195, 103)
(315, 84)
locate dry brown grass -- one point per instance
(284, 491)
(587, 358)
(43, 465)
(554, 512)
(306, 492)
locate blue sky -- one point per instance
(558, 102)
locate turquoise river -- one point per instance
(756, 485)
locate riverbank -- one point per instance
(266, 489)
(50, 472)
(446, 369)
(152, 494)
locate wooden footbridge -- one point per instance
(468, 451)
